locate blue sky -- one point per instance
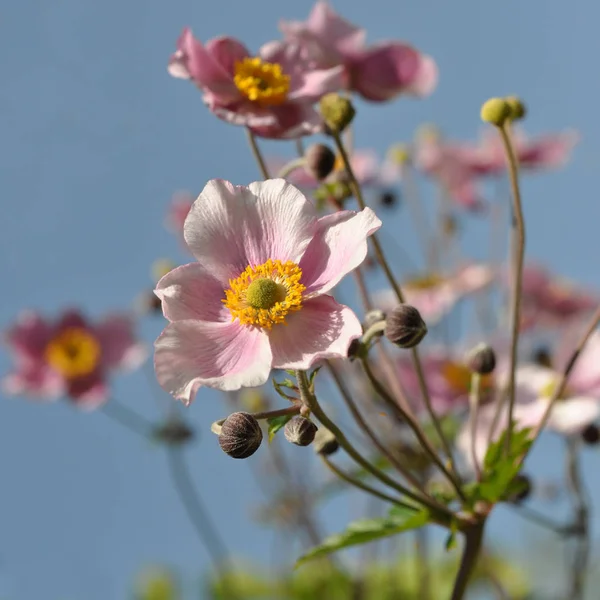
(95, 139)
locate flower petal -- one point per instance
(29, 336)
(226, 356)
(90, 392)
(226, 51)
(572, 415)
(339, 246)
(321, 329)
(230, 227)
(36, 379)
(120, 348)
(190, 292)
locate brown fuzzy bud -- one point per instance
(240, 435)
(482, 359)
(320, 160)
(325, 442)
(337, 112)
(591, 434)
(405, 327)
(300, 431)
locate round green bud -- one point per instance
(495, 111)
(517, 108)
(264, 293)
(337, 112)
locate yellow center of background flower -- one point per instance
(73, 353)
(458, 377)
(264, 295)
(425, 282)
(261, 82)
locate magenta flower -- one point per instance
(435, 296)
(257, 297)
(178, 210)
(270, 93)
(70, 357)
(365, 166)
(551, 301)
(378, 73)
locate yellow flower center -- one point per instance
(458, 377)
(424, 282)
(264, 295)
(261, 82)
(74, 352)
(547, 391)
(339, 165)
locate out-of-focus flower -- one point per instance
(264, 260)
(178, 210)
(435, 295)
(364, 163)
(378, 73)
(550, 151)
(548, 301)
(448, 380)
(70, 357)
(272, 93)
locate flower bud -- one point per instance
(240, 435)
(591, 434)
(388, 199)
(517, 108)
(405, 327)
(337, 112)
(495, 111)
(300, 431)
(374, 316)
(174, 432)
(482, 359)
(320, 160)
(524, 483)
(157, 584)
(325, 442)
(542, 357)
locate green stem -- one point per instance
(473, 539)
(311, 401)
(262, 165)
(267, 414)
(474, 401)
(128, 418)
(517, 259)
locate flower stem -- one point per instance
(128, 418)
(311, 401)
(474, 401)
(517, 260)
(473, 539)
(266, 414)
(291, 166)
(260, 161)
(415, 427)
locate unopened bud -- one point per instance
(524, 488)
(388, 199)
(240, 435)
(337, 112)
(174, 432)
(591, 434)
(320, 160)
(300, 431)
(517, 108)
(405, 327)
(495, 111)
(325, 442)
(482, 359)
(542, 357)
(157, 584)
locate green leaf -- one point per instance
(450, 543)
(286, 383)
(275, 424)
(367, 530)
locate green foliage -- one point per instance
(275, 424)
(281, 386)
(366, 530)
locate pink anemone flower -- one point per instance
(177, 212)
(378, 73)
(269, 93)
(70, 357)
(257, 297)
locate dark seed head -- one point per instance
(240, 435)
(300, 431)
(405, 327)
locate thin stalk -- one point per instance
(581, 522)
(128, 418)
(517, 259)
(474, 402)
(415, 427)
(423, 566)
(297, 163)
(363, 486)
(541, 520)
(363, 291)
(260, 161)
(266, 414)
(473, 539)
(371, 434)
(311, 401)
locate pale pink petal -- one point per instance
(572, 415)
(288, 121)
(120, 347)
(315, 84)
(365, 166)
(226, 356)
(338, 247)
(230, 227)
(190, 292)
(36, 380)
(29, 336)
(585, 377)
(71, 318)
(321, 329)
(425, 79)
(90, 392)
(226, 51)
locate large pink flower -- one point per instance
(270, 93)
(257, 297)
(70, 356)
(378, 73)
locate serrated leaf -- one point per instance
(450, 542)
(275, 424)
(367, 530)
